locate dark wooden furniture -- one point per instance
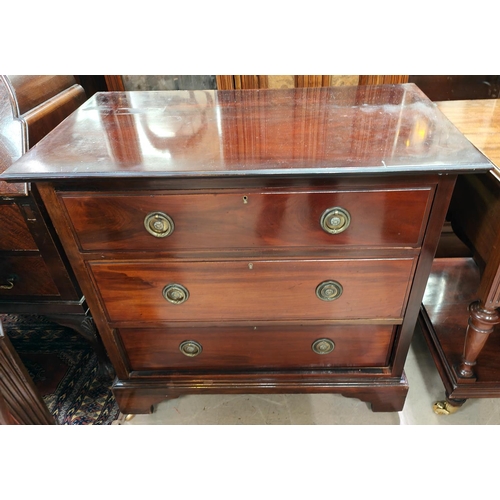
(6, 417)
(35, 275)
(20, 401)
(458, 87)
(460, 306)
(253, 241)
(232, 82)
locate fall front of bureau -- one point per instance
(253, 241)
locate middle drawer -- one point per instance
(264, 290)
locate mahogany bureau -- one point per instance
(253, 241)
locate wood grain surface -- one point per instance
(240, 348)
(359, 129)
(256, 290)
(249, 219)
(479, 121)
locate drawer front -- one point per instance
(15, 232)
(249, 219)
(257, 290)
(25, 276)
(240, 348)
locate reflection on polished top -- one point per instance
(372, 129)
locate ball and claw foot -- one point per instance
(444, 408)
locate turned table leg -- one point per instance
(484, 315)
(483, 318)
(482, 321)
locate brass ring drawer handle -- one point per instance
(175, 293)
(335, 220)
(329, 290)
(10, 284)
(159, 224)
(323, 346)
(190, 348)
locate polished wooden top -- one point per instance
(479, 121)
(337, 130)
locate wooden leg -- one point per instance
(383, 399)
(481, 323)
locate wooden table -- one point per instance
(460, 306)
(272, 241)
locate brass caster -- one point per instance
(123, 418)
(444, 408)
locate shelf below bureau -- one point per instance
(452, 286)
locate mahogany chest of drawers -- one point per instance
(253, 241)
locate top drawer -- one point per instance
(251, 219)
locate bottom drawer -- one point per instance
(243, 348)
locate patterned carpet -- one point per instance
(64, 369)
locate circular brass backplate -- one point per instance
(190, 348)
(159, 224)
(323, 346)
(175, 293)
(329, 290)
(335, 220)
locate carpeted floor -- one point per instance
(64, 369)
